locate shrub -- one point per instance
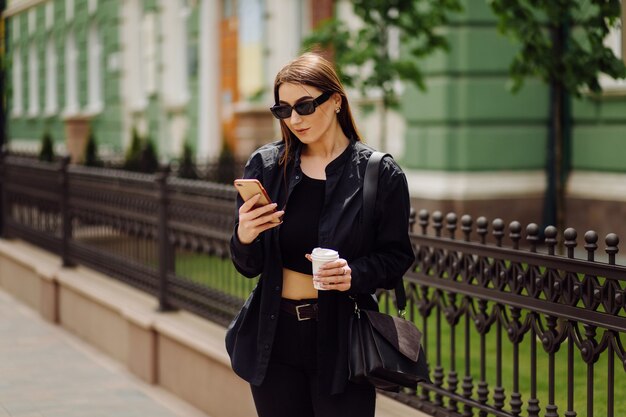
(226, 166)
(149, 162)
(91, 151)
(187, 167)
(133, 154)
(46, 152)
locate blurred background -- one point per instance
(124, 122)
(506, 111)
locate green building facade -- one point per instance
(472, 146)
(108, 66)
(45, 40)
(467, 144)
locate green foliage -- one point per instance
(363, 56)
(141, 155)
(561, 41)
(149, 157)
(226, 166)
(133, 153)
(187, 167)
(46, 153)
(91, 151)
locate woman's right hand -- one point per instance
(252, 222)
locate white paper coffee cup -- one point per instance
(321, 256)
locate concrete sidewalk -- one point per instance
(47, 372)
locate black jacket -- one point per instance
(378, 256)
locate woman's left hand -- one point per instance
(335, 275)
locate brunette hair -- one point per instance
(313, 70)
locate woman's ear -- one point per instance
(337, 100)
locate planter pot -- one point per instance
(76, 134)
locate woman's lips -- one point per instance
(300, 131)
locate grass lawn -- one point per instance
(220, 274)
(599, 380)
(214, 272)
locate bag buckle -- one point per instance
(298, 312)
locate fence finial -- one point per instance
(437, 222)
(498, 230)
(532, 236)
(482, 225)
(423, 215)
(515, 233)
(466, 226)
(451, 226)
(591, 239)
(550, 232)
(570, 236)
(612, 242)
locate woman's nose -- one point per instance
(295, 117)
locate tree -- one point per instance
(149, 162)
(561, 44)
(226, 165)
(46, 153)
(91, 151)
(363, 56)
(187, 168)
(133, 153)
(141, 155)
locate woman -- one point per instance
(290, 341)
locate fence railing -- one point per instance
(507, 331)
(159, 233)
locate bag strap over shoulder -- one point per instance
(370, 188)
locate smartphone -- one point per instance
(248, 188)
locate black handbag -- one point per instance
(384, 351)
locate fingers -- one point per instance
(254, 221)
(335, 275)
(247, 206)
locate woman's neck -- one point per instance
(327, 149)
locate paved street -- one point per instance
(47, 372)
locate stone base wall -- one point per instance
(526, 210)
(599, 215)
(179, 351)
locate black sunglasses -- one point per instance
(304, 108)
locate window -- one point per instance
(69, 10)
(617, 42)
(32, 20)
(49, 14)
(623, 31)
(250, 58)
(94, 88)
(148, 42)
(175, 48)
(92, 6)
(15, 22)
(51, 77)
(71, 75)
(33, 81)
(133, 60)
(18, 100)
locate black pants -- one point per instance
(290, 385)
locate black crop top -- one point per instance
(299, 231)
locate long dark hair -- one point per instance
(313, 70)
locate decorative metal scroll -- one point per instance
(510, 328)
(164, 235)
(513, 318)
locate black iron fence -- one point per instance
(507, 331)
(159, 233)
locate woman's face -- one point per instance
(315, 126)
